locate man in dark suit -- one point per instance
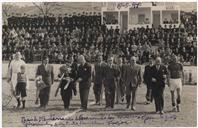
(147, 80)
(132, 78)
(84, 80)
(158, 77)
(98, 77)
(111, 73)
(46, 71)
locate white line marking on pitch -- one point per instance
(70, 114)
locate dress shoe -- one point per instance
(133, 108)
(174, 109)
(161, 112)
(158, 112)
(127, 107)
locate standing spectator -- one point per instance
(98, 79)
(147, 81)
(111, 73)
(132, 78)
(46, 71)
(84, 80)
(158, 77)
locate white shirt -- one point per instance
(15, 65)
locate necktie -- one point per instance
(158, 67)
(46, 67)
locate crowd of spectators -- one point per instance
(63, 36)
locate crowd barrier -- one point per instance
(190, 72)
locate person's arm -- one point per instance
(78, 76)
(183, 80)
(94, 73)
(9, 72)
(52, 74)
(145, 75)
(38, 72)
(139, 76)
(168, 78)
(27, 83)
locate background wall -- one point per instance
(134, 12)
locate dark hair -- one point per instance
(45, 57)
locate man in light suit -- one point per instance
(132, 78)
(111, 73)
(46, 71)
(158, 77)
(120, 88)
(98, 79)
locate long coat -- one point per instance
(110, 74)
(158, 75)
(132, 77)
(85, 73)
(98, 73)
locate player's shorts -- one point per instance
(175, 84)
(21, 89)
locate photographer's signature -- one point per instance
(107, 119)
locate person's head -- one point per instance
(120, 61)
(70, 59)
(100, 58)
(22, 68)
(45, 60)
(133, 60)
(174, 58)
(18, 55)
(110, 60)
(81, 59)
(151, 60)
(158, 61)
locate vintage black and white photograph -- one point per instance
(99, 64)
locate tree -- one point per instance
(6, 9)
(47, 7)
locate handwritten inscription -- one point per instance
(108, 119)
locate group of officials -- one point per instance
(120, 81)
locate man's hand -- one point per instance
(154, 80)
(8, 80)
(75, 92)
(79, 79)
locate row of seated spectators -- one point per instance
(64, 21)
(59, 42)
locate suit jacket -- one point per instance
(147, 74)
(98, 73)
(110, 74)
(46, 73)
(158, 75)
(121, 69)
(84, 72)
(132, 75)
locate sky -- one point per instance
(185, 6)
